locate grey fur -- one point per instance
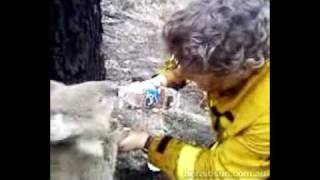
(83, 135)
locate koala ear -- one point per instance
(61, 130)
(54, 85)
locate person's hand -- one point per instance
(134, 93)
(140, 87)
(137, 88)
(159, 80)
(135, 140)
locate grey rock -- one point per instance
(132, 42)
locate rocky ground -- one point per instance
(133, 51)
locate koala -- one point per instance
(83, 136)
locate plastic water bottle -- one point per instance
(143, 95)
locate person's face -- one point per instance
(213, 83)
(210, 81)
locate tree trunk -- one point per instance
(75, 36)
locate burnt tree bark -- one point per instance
(75, 36)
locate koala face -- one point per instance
(83, 136)
(81, 111)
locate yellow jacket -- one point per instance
(242, 150)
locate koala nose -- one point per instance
(116, 91)
(112, 91)
(114, 124)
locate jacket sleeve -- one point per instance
(233, 158)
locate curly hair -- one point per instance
(221, 34)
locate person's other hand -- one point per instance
(159, 80)
(135, 140)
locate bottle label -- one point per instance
(152, 98)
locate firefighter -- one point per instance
(222, 46)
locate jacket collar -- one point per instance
(226, 103)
